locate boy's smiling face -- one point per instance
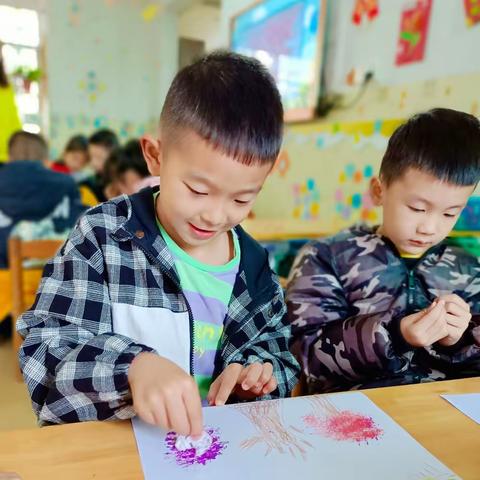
(419, 210)
(204, 192)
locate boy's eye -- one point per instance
(242, 202)
(413, 209)
(450, 215)
(196, 192)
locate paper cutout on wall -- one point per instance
(368, 8)
(282, 164)
(413, 33)
(472, 12)
(352, 197)
(150, 12)
(92, 87)
(74, 13)
(470, 217)
(326, 135)
(306, 200)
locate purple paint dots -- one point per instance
(189, 457)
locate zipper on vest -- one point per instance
(177, 284)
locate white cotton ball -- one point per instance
(201, 445)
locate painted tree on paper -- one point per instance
(277, 437)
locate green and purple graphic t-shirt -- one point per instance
(208, 289)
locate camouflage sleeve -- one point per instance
(334, 343)
(466, 274)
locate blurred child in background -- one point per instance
(132, 171)
(100, 146)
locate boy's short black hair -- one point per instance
(232, 102)
(77, 143)
(24, 145)
(105, 138)
(442, 142)
(130, 157)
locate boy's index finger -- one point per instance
(193, 406)
(228, 382)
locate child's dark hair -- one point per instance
(130, 157)
(230, 101)
(27, 146)
(77, 143)
(105, 138)
(442, 142)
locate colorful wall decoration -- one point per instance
(106, 72)
(472, 12)
(306, 198)
(364, 8)
(91, 86)
(335, 162)
(352, 198)
(413, 33)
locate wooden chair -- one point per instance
(18, 252)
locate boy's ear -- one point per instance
(376, 191)
(152, 152)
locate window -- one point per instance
(19, 32)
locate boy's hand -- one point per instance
(458, 317)
(164, 395)
(426, 327)
(248, 382)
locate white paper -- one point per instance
(467, 403)
(340, 436)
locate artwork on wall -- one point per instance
(150, 12)
(92, 86)
(413, 33)
(74, 13)
(353, 202)
(282, 164)
(306, 200)
(364, 8)
(472, 12)
(305, 435)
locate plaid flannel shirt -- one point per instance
(75, 366)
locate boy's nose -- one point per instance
(214, 217)
(427, 227)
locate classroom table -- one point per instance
(107, 450)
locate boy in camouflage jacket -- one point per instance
(394, 304)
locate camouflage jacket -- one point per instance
(346, 296)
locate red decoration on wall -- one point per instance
(472, 12)
(413, 33)
(362, 8)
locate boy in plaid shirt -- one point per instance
(160, 300)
